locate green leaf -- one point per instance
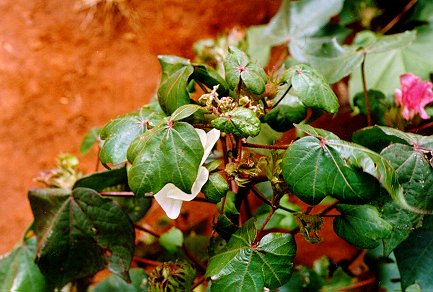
(139, 283)
(371, 44)
(295, 22)
(172, 240)
(210, 77)
(335, 61)
(238, 67)
(215, 188)
(184, 111)
(230, 209)
(89, 140)
(356, 157)
(361, 226)
(225, 227)
(121, 131)
(311, 87)
(290, 110)
(101, 180)
(241, 121)
(315, 168)
(303, 279)
(379, 137)
(173, 90)
(385, 68)
(415, 175)
(18, 271)
(80, 233)
(415, 259)
(170, 153)
(267, 263)
(423, 11)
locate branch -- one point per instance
(251, 145)
(263, 225)
(259, 195)
(141, 228)
(282, 97)
(398, 16)
(364, 84)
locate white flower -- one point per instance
(170, 197)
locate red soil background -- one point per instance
(57, 81)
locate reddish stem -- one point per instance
(263, 225)
(398, 16)
(364, 85)
(251, 145)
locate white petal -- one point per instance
(202, 177)
(211, 138)
(202, 134)
(170, 206)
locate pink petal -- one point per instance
(399, 97)
(408, 80)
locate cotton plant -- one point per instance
(378, 184)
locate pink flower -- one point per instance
(413, 96)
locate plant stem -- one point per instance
(282, 97)
(198, 282)
(202, 86)
(119, 194)
(264, 224)
(97, 157)
(364, 85)
(259, 195)
(251, 145)
(147, 262)
(398, 16)
(146, 230)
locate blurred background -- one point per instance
(69, 66)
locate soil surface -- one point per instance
(64, 71)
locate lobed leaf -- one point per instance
(169, 153)
(238, 67)
(295, 22)
(361, 225)
(122, 130)
(314, 169)
(80, 233)
(267, 263)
